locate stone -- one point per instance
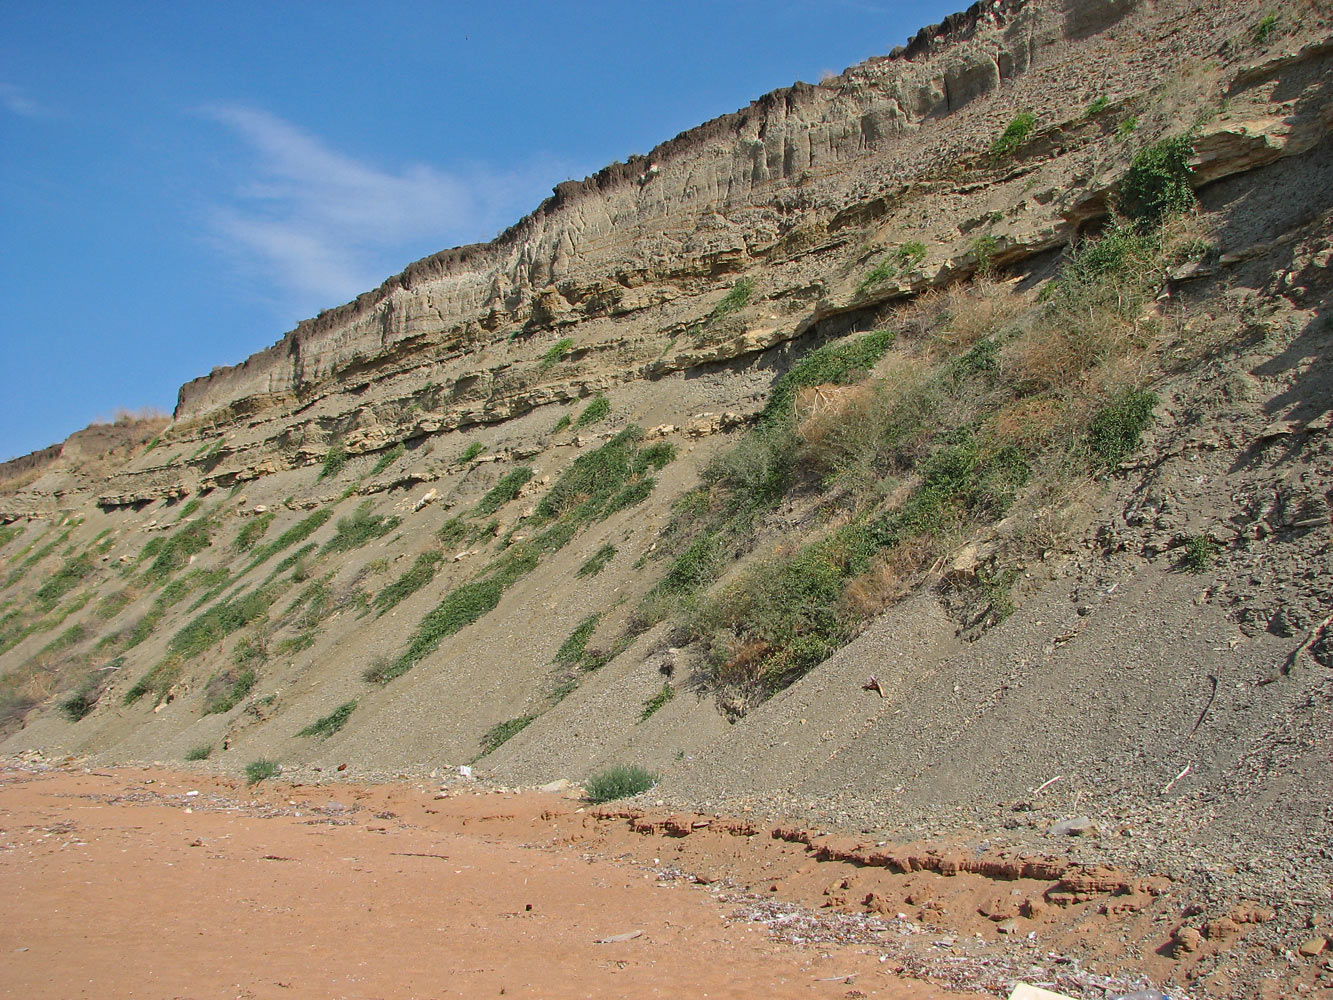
(1312, 947)
(1186, 940)
(1079, 826)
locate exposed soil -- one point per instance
(148, 883)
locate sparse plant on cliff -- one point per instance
(1014, 135)
(736, 299)
(1126, 127)
(201, 752)
(261, 770)
(334, 462)
(1157, 184)
(597, 410)
(598, 561)
(1115, 430)
(470, 452)
(557, 353)
(502, 732)
(657, 701)
(561, 424)
(225, 692)
(1265, 28)
(1097, 107)
(327, 725)
(1198, 553)
(362, 527)
(388, 458)
(504, 491)
(252, 531)
(420, 573)
(619, 782)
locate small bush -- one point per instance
(420, 573)
(619, 782)
(504, 491)
(1115, 430)
(572, 649)
(252, 531)
(334, 462)
(597, 561)
(1126, 127)
(597, 410)
(298, 532)
(556, 354)
(1158, 182)
(470, 452)
(1015, 134)
(502, 732)
(561, 424)
(983, 249)
(839, 363)
(657, 701)
(1198, 553)
(175, 551)
(261, 770)
(734, 300)
(1265, 28)
(226, 692)
(1097, 106)
(202, 752)
(331, 723)
(81, 702)
(362, 527)
(388, 458)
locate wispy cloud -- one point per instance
(16, 102)
(323, 226)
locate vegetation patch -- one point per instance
(1198, 553)
(657, 701)
(598, 561)
(557, 353)
(1115, 430)
(597, 410)
(65, 579)
(1158, 183)
(619, 782)
(1014, 135)
(358, 529)
(502, 732)
(226, 692)
(388, 458)
(173, 552)
(420, 573)
(329, 724)
(470, 452)
(742, 290)
(201, 752)
(833, 363)
(252, 531)
(334, 462)
(261, 770)
(504, 491)
(298, 532)
(573, 649)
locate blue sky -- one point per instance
(180, 183)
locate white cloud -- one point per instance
(322, 226)
(16, 102)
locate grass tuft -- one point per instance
(502, 732)
(261, 770)
(619, 782)
(1015, 134)
(329, 724)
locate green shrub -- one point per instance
(1198, 553)
(1114, 431)
(334, 462)
(65, 579)
(329, 724)
(1014, 135)
(657, 701)
(298, 532)
(82, 701)
(261, 770)
(572, 649)
(202, 752)
(460, 608)
(501, 732)
(388, 458)
(561, 424)
(1265, 28)
(470, 452)
(1097, 106)
(734, 300)
(594, 411)
(255, 527)
(597, 561)
(1126, 127)
(175, 551)
(420, 573)
(592, 479)
(234, 688)
(504, 491)
(1157, 184)
(840, 363)
(556, 354)
(362, 527)
(619, 782)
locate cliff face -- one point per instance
(519, 502)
